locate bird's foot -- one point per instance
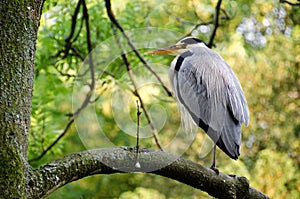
(214, 168)
(134, 149)
(129, 148)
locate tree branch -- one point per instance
(79, 165)
(290, 3)
(91, 85)
(116, 23)
(137, 94)
(68, 42)
(216, 23)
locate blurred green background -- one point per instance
(260, 40)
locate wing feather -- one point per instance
(209, 90)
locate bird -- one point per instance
(207, 88)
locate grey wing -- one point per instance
(214, 100)
(237, 102)
(191, 90)
(188, 121)
(182, 90)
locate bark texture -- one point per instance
(121, 160)
(19, 23)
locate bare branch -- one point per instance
(290, 3)
(136, 93)
(202, 23)
(92, 84)
(197, 26)
(53, 143)
(68, 42)
(73, 24)
(43, 135)
(116, 23)
(138, 114)
(79, 165)
(63, 73)
(216, 24)
(226, 13)
(180, 20)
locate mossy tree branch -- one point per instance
(122, 160)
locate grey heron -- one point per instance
(210, 92)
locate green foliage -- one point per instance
(260, 41)
(141, 192)
(282, 184)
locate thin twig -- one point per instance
(136, 93)
(43, 135)
(202, 23)
(197, 26)
(226, 13)
(290, 3)
(90, 61)
(92, 85)
(79, 30)
(65, 74)
(53, 143)
(89, 44)
(180, 20)
(154, 130)
(216, 24)
(138, 113)
(137, 164)
(116, 23)
(68, 42)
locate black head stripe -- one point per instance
(191, 41)
(181, 58)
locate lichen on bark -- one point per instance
(17, 57)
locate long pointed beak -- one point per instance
(170, 50)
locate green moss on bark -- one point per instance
(17, 56)
(11, 174)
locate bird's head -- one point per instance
(180, 47)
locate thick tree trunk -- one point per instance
(19, 24)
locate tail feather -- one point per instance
(229, 138)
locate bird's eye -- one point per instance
(183, 45)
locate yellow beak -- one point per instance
(171, 50)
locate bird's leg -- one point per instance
(213, 165)
(137, 164)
